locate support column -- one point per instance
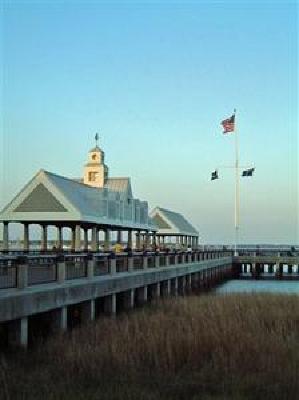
(165, 288)
(44, 241)
(141, 295)
(85, 243)
(181, 285)
(59, 320)
(73, 239)
(18, 332)
(94, 239)
(168, 287)
(110, 304)
(157, 241)
(157, 260)
(107, 240)
(174, 286)
(141, 238)
(182, 242)
(137, 240)
(142, 241)
(279, 270)
(130, 242)
(189, 282)
(130, 263)
(186, 242)
(155, 290)
(22, 275)
(26, 237)
(146, 241)
(78, 238)
(129, 299)
(59, 238)
(119, 237)
(112, 264)
(88, 311)
(90, 267)
(253, 269)
(154, 242)
(193, 243)
(5, 246)
(61, 270)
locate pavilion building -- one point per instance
(174, 231)
(94, 203)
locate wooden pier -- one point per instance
(56, 291)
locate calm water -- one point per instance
(239, 286)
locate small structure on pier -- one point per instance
(173, 229)
(95, 202)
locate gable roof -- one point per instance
(40, 199)
(51, 197)
(160, 222)
(120, 185)
(169, 221)
(84, 197)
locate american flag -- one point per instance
(229, 124)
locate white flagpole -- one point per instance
(237, 189)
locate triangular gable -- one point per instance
(179, 221)
(171, 222)
(160, 222)
(40, 200)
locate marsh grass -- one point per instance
(193, 348)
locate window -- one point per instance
(92, 176)
(94, 157)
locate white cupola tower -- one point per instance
(95, 171)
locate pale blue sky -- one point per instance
(155, 79)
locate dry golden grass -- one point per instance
(193, 348)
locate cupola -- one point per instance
(95, 171)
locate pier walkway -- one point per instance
(268, 265)
(59, 291)
(51, 293)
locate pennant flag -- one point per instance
(229, 124)
(248, 172)
(214, 175)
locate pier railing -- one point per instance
(267, 265)
(23, 271)
(8, 273)
(41, 270)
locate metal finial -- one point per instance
(96, 138)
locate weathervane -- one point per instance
(96, 139)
